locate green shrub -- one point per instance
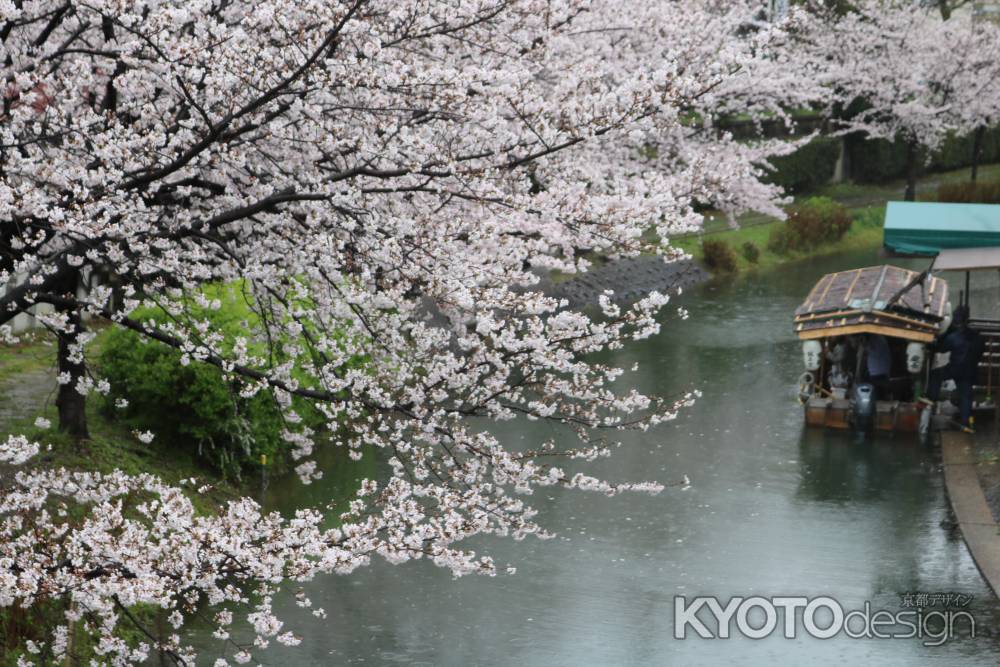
(880, 160)
(818, 221)
(967, 192)
(875, 160)
(780, 240)
(193, 404)
(751, 252)
(718, 255)
(955, 151)
(807, 168)
(870, 216)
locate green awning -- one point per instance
(926, 228)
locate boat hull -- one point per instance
(889, 415)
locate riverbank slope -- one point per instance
(865, 203)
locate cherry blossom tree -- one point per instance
(386, 181)
(916, 76)
(947, 7)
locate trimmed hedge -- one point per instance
(748, 129)
(956, 151)
(880, 160)
(875, 160)
(807, 168)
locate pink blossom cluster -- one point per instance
(386, 180)
(898, 70)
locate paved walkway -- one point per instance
(21, 398)
(25, 395)
(969, 503)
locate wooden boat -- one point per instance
(855, 320)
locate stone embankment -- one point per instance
(630, 279)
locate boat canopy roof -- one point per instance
(967, 259)
(927, 228)
(882, 299)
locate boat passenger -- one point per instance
(838, 354)
(878, 361)
(965, 346)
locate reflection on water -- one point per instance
(341, 480)
(775, 509)
(864, 468)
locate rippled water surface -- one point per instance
(774, 509)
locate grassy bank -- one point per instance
(27, 386)
(27, 393)
(865, 232)
(866, 204)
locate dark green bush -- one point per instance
(780, 240)
(744, 128)
(718, 255)
(194, 405)
(807, 168)
(875, 160)
(751, 252)
(967, 192)
(818, 221)
(880, 160)
(956, 150)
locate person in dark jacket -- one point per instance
(878, 362)
(965, 346)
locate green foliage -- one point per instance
(808, 167)
(816, 222)
(18, 626)
(649, 151)
(875, 160)
(35, 353)
(193, 405)
(880, 160)
(744, 127)
(751, 253)
(870, 216)
(969, 193)
(718, 255)
(956, 150)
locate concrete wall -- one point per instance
(29, 321)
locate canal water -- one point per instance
(773, 509)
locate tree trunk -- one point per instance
(161, 636)
(69, 658)
(911, 171)
(977, 149)
(72, 405)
